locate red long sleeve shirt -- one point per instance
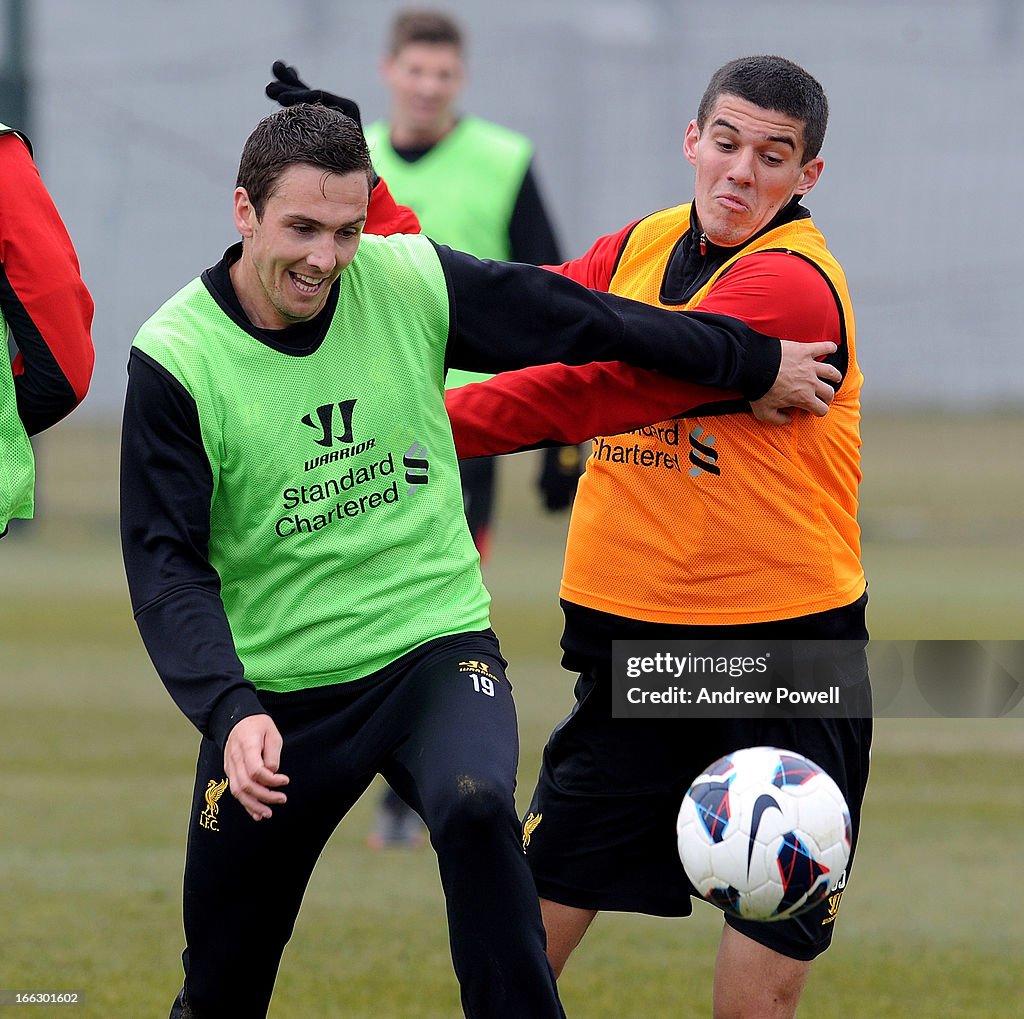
(47, 306)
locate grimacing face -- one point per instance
(749, 164)
(308, 234)
(425, 79)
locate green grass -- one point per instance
(97, 767)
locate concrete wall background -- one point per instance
(140, 111)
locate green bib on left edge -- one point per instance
(17, 464)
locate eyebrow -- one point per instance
(298, 217)
(782, 139)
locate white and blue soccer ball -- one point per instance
(764, 834)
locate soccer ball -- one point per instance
(764, 834)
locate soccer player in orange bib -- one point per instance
(697, 520)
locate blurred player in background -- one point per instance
(46, 308)
(751, 533)
(472, 185)
(300, 568)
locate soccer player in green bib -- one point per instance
(300, 567)
(46, 309)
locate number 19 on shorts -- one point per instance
(483, 684)
(483, 681)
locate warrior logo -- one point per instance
(703, 454)
(474, 666)
(324, 422)
(529, 827)
(214, 791)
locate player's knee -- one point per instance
(745, 1005)
(754, 994)
(473, 807)
(753, 981)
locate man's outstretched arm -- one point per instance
(508, 316)
(561, 404)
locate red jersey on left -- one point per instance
(44, 301)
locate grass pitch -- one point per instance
(98, 771)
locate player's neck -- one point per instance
(251, 296)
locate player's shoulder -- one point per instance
(487, 132)
(13, 132)
(780, 293)
(405, 260)
(175, 321)
(394, 247)
(15, 151)
(783, 273)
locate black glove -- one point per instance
(559, 476)
(290, 89)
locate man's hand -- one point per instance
(802, 383)
(252, 756)
(289, 89)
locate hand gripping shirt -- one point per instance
(717, 519)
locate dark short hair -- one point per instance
(773, 83)
(313, 135)
(434, 27)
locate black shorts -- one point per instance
(609, 793)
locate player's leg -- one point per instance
(754, 982)
(244, 880)
(457, 766)
(243, 884)
(600, 831)
(762, 968)
(565, 927)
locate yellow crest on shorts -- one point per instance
(529, 827)
(214, 791)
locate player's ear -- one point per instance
(690, 140)
(809, 175)
(245, 214)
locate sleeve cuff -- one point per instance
(239, 703)
(760, 367)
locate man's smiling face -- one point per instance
(291, 255)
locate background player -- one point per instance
(46, 308)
